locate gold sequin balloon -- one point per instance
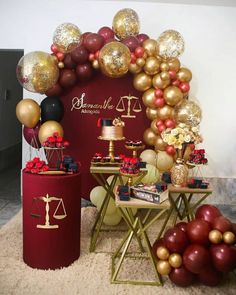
(125, 23)
(188, 112)
(171, 44)
(67, 37)
(37, 71)
(114, 59)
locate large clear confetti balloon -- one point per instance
(114, 59)
(67, 37)
(188, 112)
(125, 23)
(171, 44)
(37, 71)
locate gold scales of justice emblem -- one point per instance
(136, 106)
(47, 200)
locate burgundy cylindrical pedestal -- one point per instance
(51, 220)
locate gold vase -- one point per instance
(179, 173)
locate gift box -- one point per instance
(149, 193)
(166, 177)
(123, 192)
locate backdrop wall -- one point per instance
(209, 33)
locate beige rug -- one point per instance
(89, 275)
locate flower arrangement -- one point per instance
(55, 141)
(36, 166)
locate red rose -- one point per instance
(51, 139)
(30, 165)
(34, 170)
(55, 134)
(36, 160)
(39, 165)
(59, 139)
(66, 143)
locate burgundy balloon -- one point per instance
(223, 257)
(93, 42)
(84, 35)
(182, 226)
(109, 40)
(67, 78)
(131, 42)
(156, 244)
(176, 240)
(84, 72)
(80, 54)
(195, 258)
(181, 277)
(207, 212)
(55, 90)
(222, 223)
(234, 228)
(106, 32)
(209, 276)
(68, 62)
(141, 38)
(31, 136)
(198, 231)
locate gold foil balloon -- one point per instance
(163, 253)
(134, 68)
(37, 71)
(229, 237)
(149, 98)
(151, 66)
(48, 128)
(175, 260)
(166, 112)
(163, 267)
(164, 66)
(142, 82)
(157, 82)
(184, 75)
(28, 112)
(188, 112)
(159, 144)
(151, 113)
(174, 64)
(67, 37)
(151, 47)
(114, 59)
(171, 44)
(164, 161)
(149, 136)
(215, 236)
(172, 95)
(149, 156)
(164, 76)
(125, 23)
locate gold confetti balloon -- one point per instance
(37, 71)
(67, 37)
(125, 23)
(188, 112)
(171, 44)
(114, 59)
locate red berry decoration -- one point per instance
(223, 257)
(208, 213)
(175, 240)
(198, 231)
(222, 223)
(181, 277)
(209, 276)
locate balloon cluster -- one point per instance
(203, 249)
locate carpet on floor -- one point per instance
(90, 274)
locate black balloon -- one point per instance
(51, 109)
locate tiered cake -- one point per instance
(111, 129)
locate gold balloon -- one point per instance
(149, 98)
(140, 61)
(67, 37)
(172, 95)
(159, 144)
(142, 82)
(229, 237)
(28, 112)
(134, 68)
(165, 76)
(184, 75)
(48, 128)
(149, 136)
(164, 161)
(152, 66)
(157, 82)
(174, 64)
(215, 236)
(114, 59)
(151, 113)
(163, 267)
(164, 66)
(151, 47)
(163, 253)
(37, 71)
(188, 112)
(175, 260)
(154, 126)
(171, 44)
(125, 23)
(166, 112)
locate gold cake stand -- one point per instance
(135, 149)
(111, 149)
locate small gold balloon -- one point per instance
(125, 23)
(95, 64)
(165, 76)
(163, 253)
(149, 98)
(145, 55)
(149, 136)
(67, 37)
(151, 113)
(159, 144)
(229, 237)
(140, 62)
(157, 82)
(175, 260)
(134, 68)
(28, 112)
(163, 267)
(174, 64)
(188, 112)
(48, 128)
(215, 236)
(171, 44)
(172, 95)
(154, 126)
(114, 59)
(61, 65)
(184, 75)
(151, 66)
(164, 66)
(151, 47)
(166, 112)
(164, 161)
(142, 82)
